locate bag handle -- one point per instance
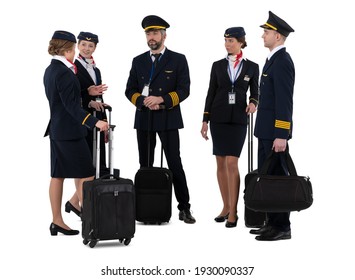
(272, 157)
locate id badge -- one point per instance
(231, 97)
(145, 90)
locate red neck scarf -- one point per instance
(235, 58)
(74, 66)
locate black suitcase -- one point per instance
(153, 186)
(252, 218)
(108, 210)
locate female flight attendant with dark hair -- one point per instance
(226, 111)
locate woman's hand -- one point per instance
(204, 130)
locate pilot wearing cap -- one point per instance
(273, 126)
(158, 82)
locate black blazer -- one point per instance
(274, 117)
(217, 107)
(170, 80)
(67, 117)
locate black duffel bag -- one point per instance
(278, 193)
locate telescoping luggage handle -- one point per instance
(250, 142)
(161, 107)
(96, 144)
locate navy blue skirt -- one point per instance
(228, 138)
(71, 159)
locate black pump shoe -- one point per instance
(54, 229)
(221, 219)
(232, 224)
(69, 207)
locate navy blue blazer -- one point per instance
(274, 117)
(217, 107)
(68, 120)
(85, 82)
(170, 80)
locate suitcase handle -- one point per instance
(108, 176)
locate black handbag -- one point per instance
(278, 193)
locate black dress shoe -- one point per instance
(221, 219)
(185, 215)
(69, 207)
(261, 230)
(274, 235)
(232, 224)
(54, 229)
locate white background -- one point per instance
(322, 241)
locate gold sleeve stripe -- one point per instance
(206, 113)
(282, 124)
(85, 119)
(134, 97)
(254, 100)
(175, 98)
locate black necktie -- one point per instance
(157, 56)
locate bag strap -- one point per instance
(272, 157)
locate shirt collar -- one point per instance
(162, 52)
(275, 50)
(65, 61)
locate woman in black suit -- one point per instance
(70, 154)
(226, 109)
(91, 95)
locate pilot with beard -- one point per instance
(158, 82)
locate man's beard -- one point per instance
(154, 45)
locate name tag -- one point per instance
(145, 91)
(231, 97)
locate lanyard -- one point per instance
(237, 72)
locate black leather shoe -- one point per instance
(69, 207)
(54, 229)
(185, 215)
(261, 230)
(232, 224)
(221, 219)
(274, 235)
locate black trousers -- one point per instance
(279, 221)
(171, 145)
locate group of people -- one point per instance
(158, 82)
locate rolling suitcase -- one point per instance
(252, 218)
(153, 186)
(108, 210)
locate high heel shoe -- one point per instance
(232, 224)
(69, 207)
(221, 219)
(54, 229)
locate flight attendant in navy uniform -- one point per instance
(158, 89)
(226, 110)
(67, 128)
(91, 95)
(273, 126)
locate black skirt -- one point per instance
(228, 138)
(71, 159)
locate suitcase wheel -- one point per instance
(85, 241)
(126, 241)
(92, 243)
